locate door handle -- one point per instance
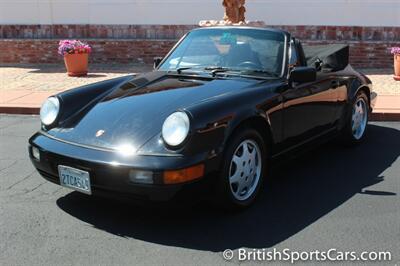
(335, 84)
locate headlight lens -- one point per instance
(176, 128)
(49, 111)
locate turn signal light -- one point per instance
(183, 175)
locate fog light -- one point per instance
(36, 153)
(139, 176)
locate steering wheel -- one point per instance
(249, 64)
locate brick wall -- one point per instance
(31, 51)
(369, 46)
(93, 31)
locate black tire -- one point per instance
(225, 194)
(348, 135)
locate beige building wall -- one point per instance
(274, 12)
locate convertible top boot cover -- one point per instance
(334, 57)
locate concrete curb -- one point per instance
(18, 110)
(385, 117)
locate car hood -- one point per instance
(134, 112)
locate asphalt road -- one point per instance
(332, 197)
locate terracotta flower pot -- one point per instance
(397, 67)
(76, 64)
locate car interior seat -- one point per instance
(241, 53)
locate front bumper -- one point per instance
(109, 171)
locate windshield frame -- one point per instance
(285, 48)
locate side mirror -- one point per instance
(303, 74)
(157, 61)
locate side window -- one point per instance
(294, 57)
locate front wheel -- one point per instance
(243, 169)
(356, 127)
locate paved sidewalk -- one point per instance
(383, 81)
(388, 104)
(24, 88)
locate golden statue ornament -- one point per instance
(234, 11)
(234, 15)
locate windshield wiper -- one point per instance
(218, 69)
(179, 70)
(259, 71)
(215, 68)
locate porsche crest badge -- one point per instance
(100, 133)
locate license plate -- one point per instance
(74, 178)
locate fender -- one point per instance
(246, 116)
(354, 85)
(73, 101)
(215, 121)
(359, 82)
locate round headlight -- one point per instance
(49, 111)
(176, 128)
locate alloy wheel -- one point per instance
(359, 118)
(245, 170)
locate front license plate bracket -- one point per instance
(75, 179)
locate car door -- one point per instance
(308, 108)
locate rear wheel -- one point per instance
(356, 126)
(243, 169)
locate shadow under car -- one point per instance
(303, 191)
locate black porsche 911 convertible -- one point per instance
(210, 118)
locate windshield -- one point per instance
(260, 51)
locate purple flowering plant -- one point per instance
(395, 50)
(73, 47)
